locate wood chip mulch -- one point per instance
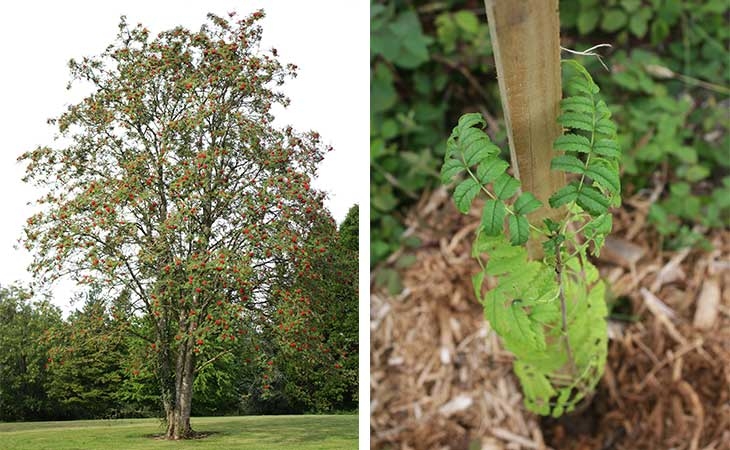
(440, 379)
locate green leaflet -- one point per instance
(564, 195)
(604, 175)
(464, 194)
(577, 104)
(591, 200)
(607, 147)
(526, 203)
(493, 217)
(525, 308)
(490, 169)
(505, 186)
(568, 163)
(519, 229)
(578, 121)
(573, 143)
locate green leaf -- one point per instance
(631, 5)
(467, 21)
(592, 201)
(572, 143)
(568, 163)
(582, 80)
(606, 126)
(587, 20)
(477, 281)
(607, 147)
(493, 217)
(519, 229)
(696, 173)
(577, 103)
(505, 186)
(639, 23)
(564, 195)
(605, 175)
(526, 203)
(451, 168)
(468, 120)
(475, 146)
(577, 121)
(490, 169)
(613, 20)
(465, 193)
(382, 92)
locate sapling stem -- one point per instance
(563, 310)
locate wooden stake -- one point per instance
(526, 41)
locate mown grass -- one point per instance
(248, 432)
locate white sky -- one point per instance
(328, 40)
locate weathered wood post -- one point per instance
(526, 42)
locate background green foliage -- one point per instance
(668, 90)
(23, 367)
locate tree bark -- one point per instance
(177, 413)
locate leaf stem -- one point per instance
(563, 309)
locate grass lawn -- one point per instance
(249, 432)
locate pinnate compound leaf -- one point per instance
(526, 203)
(572, 143)
(505, 186)
(519, 229)
(568, 163)
(464, 194)
(493, 217)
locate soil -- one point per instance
(440, 379)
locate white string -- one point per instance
(590, 52)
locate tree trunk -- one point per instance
(178, 413)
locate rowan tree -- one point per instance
(171, 185)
